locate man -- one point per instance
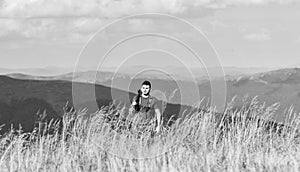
(145, 109)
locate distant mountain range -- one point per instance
(46, 71)
(199, 72)
(282, 85)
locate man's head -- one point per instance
(146, 87)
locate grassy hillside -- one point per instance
(195, 144)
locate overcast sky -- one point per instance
(245, 33)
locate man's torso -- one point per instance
(147, 111)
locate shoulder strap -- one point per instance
(140, 100)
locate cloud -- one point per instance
(115, 8)
(258, 36)
(56, 19)
(87, 8)
(224, 3)
(50, 29)
(255, 33)
(218, 24)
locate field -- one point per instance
(196, 143)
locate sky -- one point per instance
(65, 33)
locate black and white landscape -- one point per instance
(70, 70)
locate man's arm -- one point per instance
(157, 114)
(158, 117)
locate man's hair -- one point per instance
(147, 83)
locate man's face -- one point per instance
(145, 89)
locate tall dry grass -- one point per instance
(197, 143)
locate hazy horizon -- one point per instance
(55, 70)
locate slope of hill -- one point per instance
(281, 85)
(275, 86)
(282, 76)
(20, 100)
(121, 81)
